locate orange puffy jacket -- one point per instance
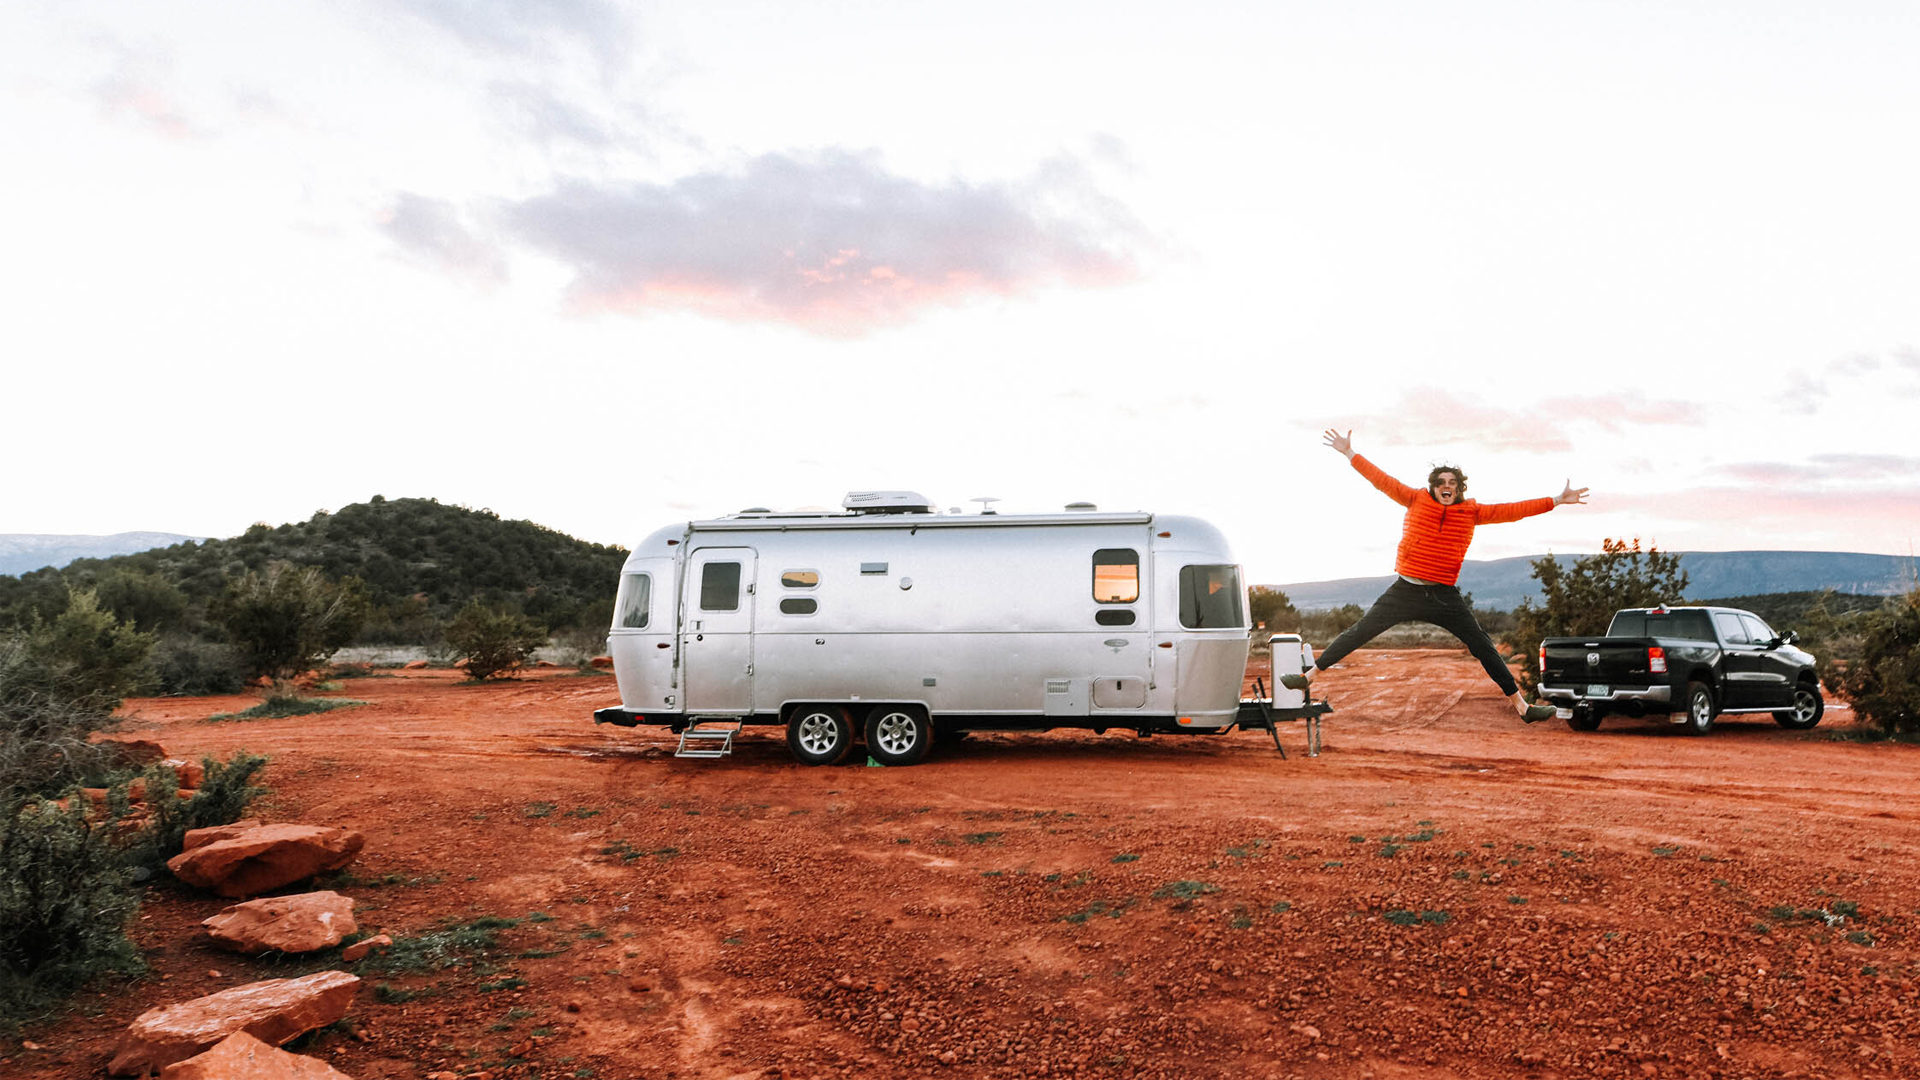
(1434, 538)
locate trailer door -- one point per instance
(718, 635)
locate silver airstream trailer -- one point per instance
(897, 625)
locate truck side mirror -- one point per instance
(1789, 638)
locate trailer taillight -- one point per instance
(1656, 660)
(1543, 658)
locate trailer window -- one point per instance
(799, 605)
(636, 593)
(1210, 597)
(1116, 575)
(800, 579)
(720, 586)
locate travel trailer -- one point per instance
(896, 625)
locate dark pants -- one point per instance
(1441, 605)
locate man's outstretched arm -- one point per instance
(1493, 513)
(1391, 488)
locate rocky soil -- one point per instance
(1444, 892)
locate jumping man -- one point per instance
(1433, 544)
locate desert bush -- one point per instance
(45, 724)
(146, 601)
(494, 642)
(287, 619)
(1272, 609)
(90, 656)
(65, 897)
(222, 798)
(1884, 683)
(1581, 599)
(1321, 626)
(187, 666)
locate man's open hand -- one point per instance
(1342, 443)
(1570, 495)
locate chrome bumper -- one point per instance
(1578, 694)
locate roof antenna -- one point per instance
(986, 503)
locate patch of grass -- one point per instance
(1184, 890)
(1331, 864)
(454, 945)
(1516, 899)
(281, 706)
(1110, 909)
(1388, 851)
(1356, 839)
(1422, 836)
(538, 917)
(540, 809)
(1461, 875)
(583, 812)
(1125, 857)
(511, 982)
(1861, 937)
(1282, 907)
(1664, 852)
(982, 837)
(1403, 917)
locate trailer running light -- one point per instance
(1186, 719)
(1656, 660)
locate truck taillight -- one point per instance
(1543, 658)
(1656, 660)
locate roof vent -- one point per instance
(756, 510)
(887, 502)
(1081, 507)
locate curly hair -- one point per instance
(1433, 478)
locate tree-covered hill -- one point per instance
(417, 559)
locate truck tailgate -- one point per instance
(1613, 661)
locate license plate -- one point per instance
(1599, 690)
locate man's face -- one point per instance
(1446, 489)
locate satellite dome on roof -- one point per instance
(887, 502)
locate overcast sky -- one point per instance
(606, 266)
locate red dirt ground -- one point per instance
(1443, 893)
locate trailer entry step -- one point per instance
(713, 742)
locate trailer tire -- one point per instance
(820, 734)
(898, 734)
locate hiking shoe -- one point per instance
(1537, 713)
(1294, 682)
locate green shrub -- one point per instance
(281, 706)
(222, 798)
(1582, 599)
(1884, 683)
(189, 667)
(44, 725)
(494, 642)
(288, 619)
(65, 898)
(89, 655)
(143, 600)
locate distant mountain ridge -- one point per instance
(1500, 584)
(21, 552)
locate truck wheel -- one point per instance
(1585, 720)
(820, 734)
(1808, 707)
(898, 734)
(1700, 709)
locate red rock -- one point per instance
(295, 924)
(191, 773)
(602, 661)
(364, 946)
(267, 858)
(413, 665)
(240, 1056)
(133, 753)
(202, 837)
(273, 1012)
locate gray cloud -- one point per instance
(829, 241)
(1827, 469)
(1808, 392)
(431, 229)
(139, 90)
(544, 117)
(540, 28)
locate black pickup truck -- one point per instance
(1688, 663)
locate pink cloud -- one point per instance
(829, 242)
(1787, 515)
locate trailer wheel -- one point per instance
(820, 734)
(898, 734)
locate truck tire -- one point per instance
(1808, 707)
(1700, 708)
(898, 734)
(820, 734)
(1585, 719)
